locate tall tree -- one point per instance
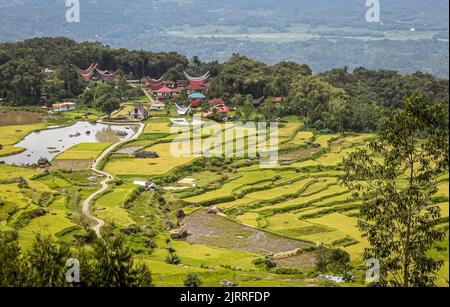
(45, 263)
(54, 89)
(396, 179)
(114, 265)
(122, 86)
(11, 273)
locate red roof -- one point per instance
(224, 109)
(197, 83)
(164, 90)
(216, 101)
(178, 90)
(195, 87)
(278, 99)
(207, 114)
(197, 103)
(155, 87)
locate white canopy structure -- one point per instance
(183, 110)
(197, 79)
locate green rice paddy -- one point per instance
(300, 201)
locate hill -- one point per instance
(325, 34)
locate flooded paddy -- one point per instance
(218, 231)
(15, 118)
(49, 143)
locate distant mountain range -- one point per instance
(413, 34)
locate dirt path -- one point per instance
(105, 183)
(149, 96)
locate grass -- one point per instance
(335, 159)
(288, 131)
(323, 212)
(303, 200)
(227, 189)
(10, 135)
(146, 167)
(284, 190)
(345, 226)
(123, 113)
(158, 127)
(205, 178)
(110, 206)
(84, 151)
(12, 199)
(8, 172)
(52, 223)
(302, 137)
(9, 150)
(324, 140)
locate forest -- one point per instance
(336, 100)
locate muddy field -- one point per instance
(14, 118)
(218, 231)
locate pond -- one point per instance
(50, 143)
(218, 231)
(15, 118)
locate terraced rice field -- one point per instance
(124, 112)
(315, 208)
(10, 135)
(126, 166)
(84, 151)
(158, 127)
(110, 206)
(297, 204)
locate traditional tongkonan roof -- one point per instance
(87, 74)
(258, 101)
(155, 81)
(183, 110)
(197, 80)
(196, 87)
(85, 71)
(106, 75)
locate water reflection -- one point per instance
(107, 135)
(49, 143)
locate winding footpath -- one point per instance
(105, 183)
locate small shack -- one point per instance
(158, 106)
(139, 112)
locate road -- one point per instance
(105, 183)
(149, 96)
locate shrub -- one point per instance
(332, 260)
(288, 271)
(192, 281)
(173, 258)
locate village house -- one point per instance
(139, 112)
(194, 88)
(278, 99)
(168, 83)
(163, 93)
(157, 106)
(64, 107)
(216, 102)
